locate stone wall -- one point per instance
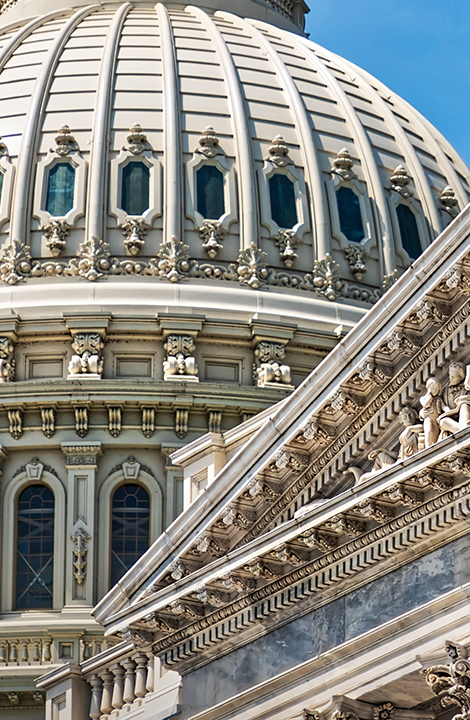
(343, 619)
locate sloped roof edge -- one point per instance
(284, 421)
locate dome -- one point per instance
(321, 180)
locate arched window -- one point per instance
(409, 231)
(135, 190)
(210, 192)
(282, 197)
(35, 548)
(60, 189)
(130, 528)
(349, 211)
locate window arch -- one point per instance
(130, 527)
(283, 201)
(210, 192)
(409, 232)
(35, 548)
(135, 188)
(350, 215)
(60, 191)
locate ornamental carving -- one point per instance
(427, 310)
(174, 260)
(87, 359)
(269, 368)
(389, 280)
(398, 341)
(343, 165)
(286, 241)
(181, 422)
(80, 538)
(15, 263)
(449, 202)
(3, 149)
(355, 256)
(399, 181)
(48, 421)
(180, 360)
(326, 277)
(7, 362)
(93, 260)
(371, 372)
(455, 279)
(212, 233)
(451, 683)
(278, 152)
(136, 140)
(319, 434)
(56, 232)
(209, 143)
(134, 230)
(148, 421)
(252, 267)
(15, 422)
(346, 403)
(65, 142)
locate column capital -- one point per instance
(81, 454)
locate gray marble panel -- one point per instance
(401, 590)
(418, 582)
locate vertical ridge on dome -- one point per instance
(242, 135)
(415, 167)
(384, 225)
(307, 145)
(24, 177)
(172, 153)
(100, 136)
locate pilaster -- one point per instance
(81, 463)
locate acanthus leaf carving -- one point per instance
(355, 255)
(451, 683)
(268, 364)
(56, 232)
(369, 371)
(134, 230)
(212, 233)
(320, 434)
(343, 524)
(174, 262)
(278, 152)
(252, 267)
(139, 637)
(92, 261)
(7, 361)
(399, 341)
(180, 361)
(65, 142)
(209, 143)
(455, 279)
(319, 540)
(326, 277)
(449, 202)
(136, 140)
(286, 241)
(80, 538)
(427, 310)
(87, 359)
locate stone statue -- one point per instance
(456, 415)
(382, 459)
(409, 437)
(432, 406)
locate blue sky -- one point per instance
(419, 48)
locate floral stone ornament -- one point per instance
(326, 277)
(252, 269)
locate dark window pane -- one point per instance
(35, 548)
(350, 218)
(130, 528)
(409, 231)
(210, 192)
(282, 196)
(135, 188)
(1, 185)
(60, 189)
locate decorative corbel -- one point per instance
(180, 363)
(87, 362)
(269, 371)
(7, 361)
(80, 538)
(399, 181)
(449, 202)
(343, 165)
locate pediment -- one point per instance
(323, 488)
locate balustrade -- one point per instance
(121, 685)
(25, 651)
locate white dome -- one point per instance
(176, 71)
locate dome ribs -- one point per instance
(24, 174)
(307, 145)
(241, 134)
(172, 192)
(409, 152)
(97, 200)
(383, 226)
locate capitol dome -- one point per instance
(196, 204)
